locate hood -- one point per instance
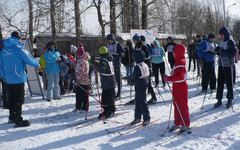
(170, 38)
(156, 42)
(139, 56)
(111, 37)
(179, 52)
(10, 42)
(135, 37)
(225, 32)
(107, 56)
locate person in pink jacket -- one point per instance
(180, 90)
(82, 81)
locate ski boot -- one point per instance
(218, 104)
(229, 104)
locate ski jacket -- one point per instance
(141, 70)
(125, 59)
(51, 57)
(191, 50)
(228, 49)
(117, 51)
(13, 60)
(82, 69)
(106, 71)
(203, 50)
(42, 63)
(157, 54)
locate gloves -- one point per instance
(59, 59)
(166, 78)
(202, 59)
(211, 52)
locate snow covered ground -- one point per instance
(217, 129)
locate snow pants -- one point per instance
(108, 100)
(117, 72)
(208, 74)
(180, 100)
(225, 75)
(82, 97)
(191, 58)
(171, 59)
(53, 86)
(156, 68)
(141, 107)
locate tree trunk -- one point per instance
(134, 15)
(144, 14)
(77, 22)
(53, 25)
(113, 17)
(30, 5)
(1, 37)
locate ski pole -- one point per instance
(87, 103)
(158, 92)
(169, 116)
(167, 65)
(173, 99)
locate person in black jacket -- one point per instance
(169, 48)
(226, 51)
(140, 80)
(191, 50)
(117, 51)
(199, 63)
(106, 70)
(128, 60)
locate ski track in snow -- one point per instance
(216, 130)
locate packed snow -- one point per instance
(217, 129)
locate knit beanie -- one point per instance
(103, 50)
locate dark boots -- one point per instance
(218, 104)
(229, 104)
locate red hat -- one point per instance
(80, 50)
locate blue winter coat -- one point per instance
(51, 57)
(13, 60)
(120, 53)
(203, 51)
(157, 53)
(139, 56)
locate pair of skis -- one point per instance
(126, 126)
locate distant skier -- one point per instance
(199, 63)
(207, 55)
(191, 51)
(169, 47)
(106, 70)
(140, 81)
(117, 51)
(13, 60)
(226, 51)
(180, 90)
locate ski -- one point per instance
(94, 120)
(137, 128)
(121, 128)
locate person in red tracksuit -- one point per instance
(180, 90)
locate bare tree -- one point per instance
(77, 21)
(53, 25)
(112, 5)
(30, 21)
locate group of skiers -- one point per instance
(141, 62)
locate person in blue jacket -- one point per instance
(207, 55)
(226, 50)
(52, 58)
(13, 60)
(117, 51)
(140, 81)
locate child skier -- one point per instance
(82, 81)
(106, 70)
(180, 90)
(140, 80)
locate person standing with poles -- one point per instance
(207, 55)
(191, 51)
(106, 70)
(226, 51)
(170, 48)
(13, 60)
(179, 90)
(117, 51)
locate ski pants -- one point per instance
(141, 107)
(16, 100)
(53, 88)
(208, 75)
(180, 100)
(225, 75)
(191, 58)
(156, 68)
(171, 59)
(108, 100)
(199, 66)
(82, 92)
(117, 72)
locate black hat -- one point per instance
(16, 35)
(142, 38)
(198, 36)
(211, 36)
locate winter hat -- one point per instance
(110, 37)
(103, 50)
(50, 43)
(170, 38)
(16, 35)
(142, 38)
(73, 49)
(211, 36)
(225, 32)
(80, 50)
(198, 36)
(191, 41)
(204, 36)
(135, 37)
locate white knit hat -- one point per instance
(73, 49)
